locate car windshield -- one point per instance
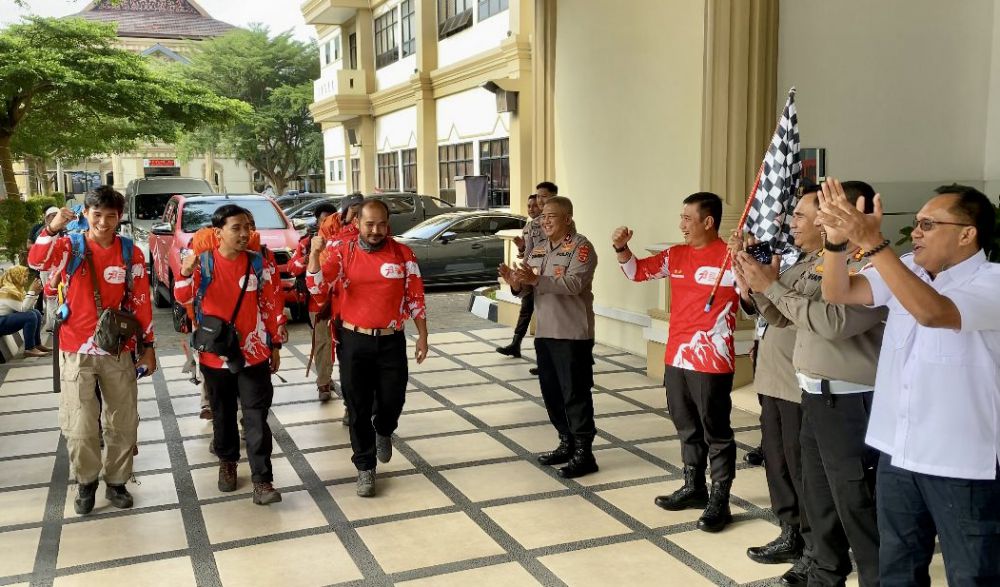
(428, 228)
(150, 206)
(199, 214)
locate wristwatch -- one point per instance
(621, 250)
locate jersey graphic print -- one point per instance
(710, 351)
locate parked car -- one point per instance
(184, 215)
(407, 210)
(303, 215)
(461, 247)
(145, 200)
(289, 201)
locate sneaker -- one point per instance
(366, 483)
(85, 498)
(383, 448)
(324, 392)
(264, 493)
(206, 413)
(533, 370)
(227, 476)
(118, 496)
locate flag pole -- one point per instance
(743, 218)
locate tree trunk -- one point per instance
(7, 167)
(46, 179)
(279, 184)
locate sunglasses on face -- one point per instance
(926, 224)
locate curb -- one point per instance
(481, 305)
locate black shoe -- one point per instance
(799, 573)
(693, 494)
(118, 496)
(561, 454)
(512, 350)
(717, 515)
(533, 370)
(755, 457)
(85, 497)
(582, 462)
(786, 548)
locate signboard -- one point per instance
(158, 163)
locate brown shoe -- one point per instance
(36, 353)
(206, 413)
(265, 494)
(227, 476)
(324, 392)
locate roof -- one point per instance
(158, 19)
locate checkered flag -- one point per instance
(777, 191)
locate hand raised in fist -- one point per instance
(621, 236)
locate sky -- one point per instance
(279, 15)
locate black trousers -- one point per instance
(963, 513)
(566, 376)
(700, 406)
(252, 389)
(780, 424)
(524, 316)
(838, 483)
(373, 373)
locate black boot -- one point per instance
(755, 457)
(799, 573)
(513, 349)
(118, 496)
(693, 494)
(85, 498)
(786, 548)
(717, 515)
(583, 461)
(561, 454)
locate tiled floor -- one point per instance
(463, 501)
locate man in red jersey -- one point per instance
(256, 299)
(699, 358)
(82, 364)
(378, 282)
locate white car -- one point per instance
(145, 200)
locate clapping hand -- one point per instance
(509, 275)
(843, 221)
(526, 275)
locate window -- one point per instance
(494, 161)
(336, 48)
(352, 48)
(409, 158)
(408, 20)
(488, 8)
(356, 174)
(326, 54)
(386, 51)
(330, 165)
(454, 160)
(400, 204)
(340, 170)
(453, 16)
(388, 171)
(469, 228)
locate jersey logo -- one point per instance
(706, 275)
(391, 270)
(114, 275)
(252, 285)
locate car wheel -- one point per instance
(159, 300)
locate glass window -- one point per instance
(469, 227)
(388, 171)
(408, 20)
(494, 162)
(336, 48)
(170, 212)
(356, 174)
(505, 223)
(409, 157)
(329, 165)
(150, 206)
(488, 8)
(386, 51)
(428, 228)
(454, 160)
(352, 47)
(326, 54)
(199, 214)
(340, 170)
(453, 16)
(399, 204)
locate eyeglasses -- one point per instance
(926, 224)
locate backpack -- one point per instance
(208, 271)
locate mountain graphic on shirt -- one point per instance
(709, 351)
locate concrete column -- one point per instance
(369, 171)
(364, 26)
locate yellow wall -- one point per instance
(628, 112)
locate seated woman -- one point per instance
(17, 311)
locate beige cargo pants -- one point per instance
(323, 351)
(79, 412)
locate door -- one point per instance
(463, 255)
(493, 248)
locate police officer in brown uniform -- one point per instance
(835, 355)
(559, 272)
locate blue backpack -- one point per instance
(78, 254)
(208, 269)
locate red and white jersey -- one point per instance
(379, 289)
(76, 334)
(260, 312)
(297, 266)
(697, 340)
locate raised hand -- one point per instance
(64, 217)
(526, 275)
(736, 242)
(189, 263)
(621, 236)
(318, 244)
(509, 275)
(844, 221)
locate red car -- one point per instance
(184, 215)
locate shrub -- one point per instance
(16, 219)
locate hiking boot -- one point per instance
(513, 349)
(324, 392)
(533, 371)
(582, 462)
(206, 413)
(755, 457)
(717, 515)
(383, 448)
(227, 476)
(118, 496)
(264, 493)
(799, 573)
(85, 497)
(366, 483)
(693, 494)
(786, 548)
(561, 454)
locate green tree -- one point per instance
(66, 90)
(275, 76)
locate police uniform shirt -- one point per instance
(564, 300)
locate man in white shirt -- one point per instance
(936, 410)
